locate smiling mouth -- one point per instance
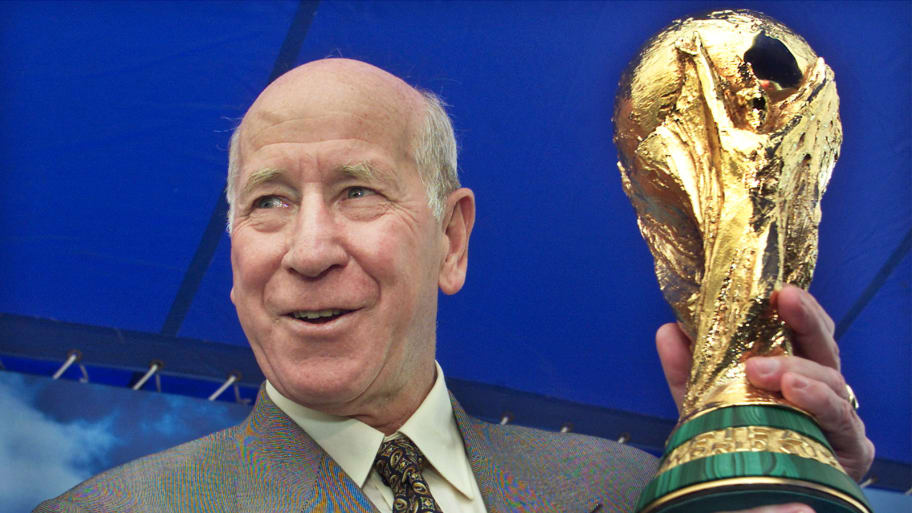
(319, 316)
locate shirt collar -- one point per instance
(354, 445)
(351, 443)
(433, 429)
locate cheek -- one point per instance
(403, 262)
(391, 255)
(253, 262)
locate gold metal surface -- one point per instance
(739, 394)
(748, 481)
(853, 400)
(725, 158)
(749, 439)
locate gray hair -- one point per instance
(435, 157)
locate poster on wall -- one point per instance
(55, 434)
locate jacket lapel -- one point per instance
(481, 458)
(505, 491)
(282, 469)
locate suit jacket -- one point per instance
(268, 464)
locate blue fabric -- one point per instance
(114, 121)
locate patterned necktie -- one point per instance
(399, 464)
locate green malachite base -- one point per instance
(740, 480)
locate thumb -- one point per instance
(673, 347)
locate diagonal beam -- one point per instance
(876, 283)
(286, 58)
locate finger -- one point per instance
(812, 326)
(837, 419)
(829, 324)
(766, 372)
(779, 508)
(673, 347)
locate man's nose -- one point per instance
(315, 244)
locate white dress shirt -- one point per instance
(354, 445)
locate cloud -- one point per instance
(39, 456)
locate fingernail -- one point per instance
(766, 366)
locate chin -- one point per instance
(323, 389)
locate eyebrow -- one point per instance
(361, 171)
(260, 176)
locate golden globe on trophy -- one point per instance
(727, 129)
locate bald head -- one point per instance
(381, 102)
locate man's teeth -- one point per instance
(317, 314)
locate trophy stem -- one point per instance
(734, 457)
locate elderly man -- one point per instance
(346, 217)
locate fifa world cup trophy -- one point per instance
(727, 128)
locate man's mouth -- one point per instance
(319, 316)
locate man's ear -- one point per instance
(459, 217)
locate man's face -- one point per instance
(335, 253)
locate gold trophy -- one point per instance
(727, 128)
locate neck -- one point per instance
(390, 414)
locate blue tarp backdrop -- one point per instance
(115, 118)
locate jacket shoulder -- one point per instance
(575, 446)
(555, 462)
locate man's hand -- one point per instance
(810, 380)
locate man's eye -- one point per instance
(269, 202)
(358, 192)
